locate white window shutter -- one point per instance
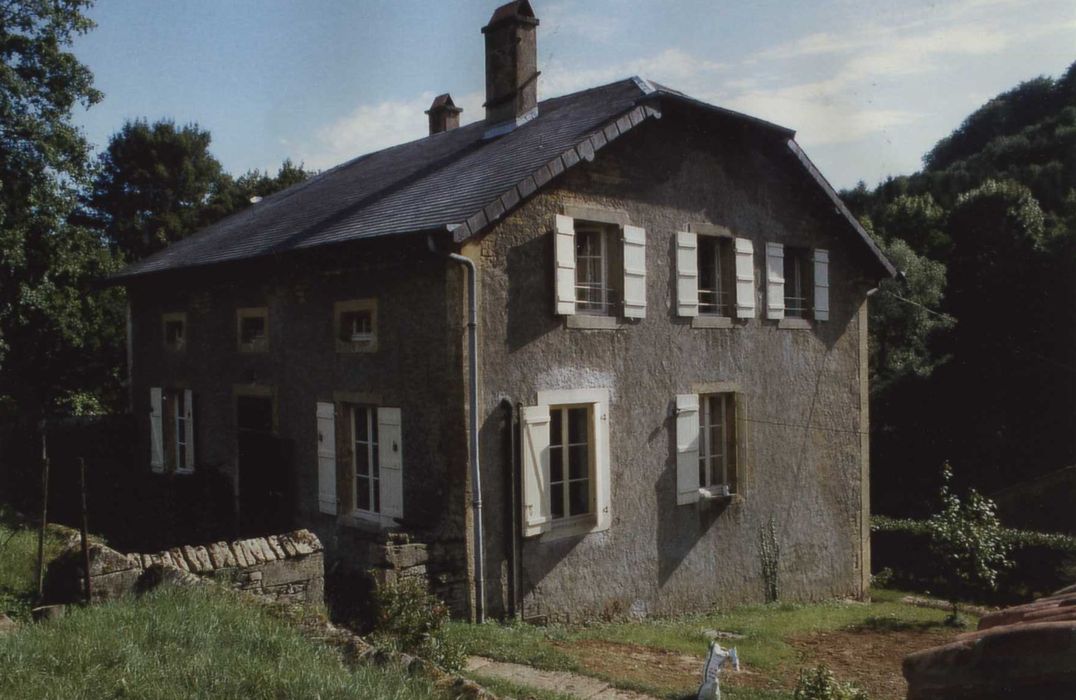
(535, 443)
(602, 472)
(390, 451)
(188, 419)
(564, 252)
(634, 272)
(745, 278)
(775, 280)
(326, 457)
(821, 285)
(156, 429)
(687, 448)
(687, 273)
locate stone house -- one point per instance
(566, 361)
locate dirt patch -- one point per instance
(869, 656)
(636, 664)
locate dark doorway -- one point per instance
(264, 505)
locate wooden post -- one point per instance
(85, 530)
(44, 514)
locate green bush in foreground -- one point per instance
(819, 683)
(18, 563)
(184, 643)
(408, 618)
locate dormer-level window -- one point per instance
(797, 285)
(175, 330)
(356, 325)
(600, 268)
(797, 282)
(717, 276)
(253, 329)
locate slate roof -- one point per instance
(455, 180)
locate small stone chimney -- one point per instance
(444, 114)
(511, 67)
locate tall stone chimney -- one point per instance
(444, 114)
(511, 67)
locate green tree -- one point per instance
(966, 537)
(236, 194)
(154, 185)
(56, 340)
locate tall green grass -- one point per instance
(184, 643)
(18, 563)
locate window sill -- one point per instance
(593, 322)
(571, 527)
(711, 322)
(363, 520)
(799, 324)
(345, 347)
(718, 498)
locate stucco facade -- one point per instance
(804, 389)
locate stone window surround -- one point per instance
(172, 317)
(342, 307)
(722, 387)
(716, 231)
(359, 519)
(251, 312)
(601, 215)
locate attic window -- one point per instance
(253, 329)
(717, 277)
(356, 325)
(797, 282)
(596, 268)
(175, 330)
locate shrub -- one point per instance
(819, 683)
(407, 618)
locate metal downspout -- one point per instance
(476, 474)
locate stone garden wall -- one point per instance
(287, 568)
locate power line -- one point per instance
(807, 427)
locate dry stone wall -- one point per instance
(286, 568)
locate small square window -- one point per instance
(253, 329)
(175, 330)
(356, 325)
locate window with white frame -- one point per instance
(797, 283)
(570, 461)
(566, 463)
(360, 448)
(171, 430)
(356, 325)
(365, 460)
(711, 446)
(600, 268)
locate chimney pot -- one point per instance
(511, 67)
(444, 114)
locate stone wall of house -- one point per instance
(283, 568)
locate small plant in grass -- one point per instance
(769, 552)
(968, 540)
(409, 619)
(819, 683)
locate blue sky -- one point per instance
(869, 86)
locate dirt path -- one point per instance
(563, 682)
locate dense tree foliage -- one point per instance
(159, 183)
(56, 341)
(973, 353)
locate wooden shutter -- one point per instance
(742, 472)
(634, 272)
(775, 280)
(821, 285)
(687, 273)
(745, 278)
(564, 252)
(390, 451)
(535, 443)
(687, 448)
(188, 418)
(602, 475)
(326, 423)
(156, 429)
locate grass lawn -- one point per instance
(18, 563)
(860, 642)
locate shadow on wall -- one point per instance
(132, 508)
(530, 267)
